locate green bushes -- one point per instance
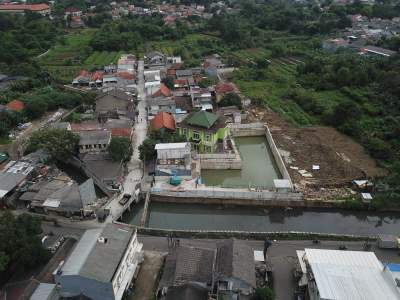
(230, 99)
(264, 293)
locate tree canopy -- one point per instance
(20, 242)
(59, 143)
(120, 148)
(230, 99)
(146, 149)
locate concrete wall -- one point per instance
(251, 129)
(222, 161)
(277, 156)
(231, 197)
(251, 235)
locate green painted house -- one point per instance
(204, 130)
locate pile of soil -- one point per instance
(340, 159)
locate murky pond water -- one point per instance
(258, 168)
(213, 217)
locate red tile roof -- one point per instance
(123, 132)
(84, 73)
(98, 75)
(72, 9)
(223, 88)
(176, 66)
(84, 126)
(15, 105)
(163, 91)
(171, 72)
(126, 75)
(163, 120)
(31, 7)
(180, 81)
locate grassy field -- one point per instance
(280, 77)
(252, 54)
(72, 51)
(169, 47)
(99, 59)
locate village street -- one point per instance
(134, 166)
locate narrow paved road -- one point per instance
(135, 167)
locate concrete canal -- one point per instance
(258, 168)
(212, 217)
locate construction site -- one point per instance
(322, 162)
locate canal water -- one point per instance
(258, 169)
(213, 217)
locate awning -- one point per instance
(53, 203)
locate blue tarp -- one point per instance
(393, 267)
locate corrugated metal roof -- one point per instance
(81, 252)
(167, 146)
(351, 275)
(43, 292)
(87, 192)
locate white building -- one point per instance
(127, 63)
(102, 264)
(173, 158)
(152, 80)
(339, 275)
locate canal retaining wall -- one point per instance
(250, 235)
(230, 197)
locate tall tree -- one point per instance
(59, 143)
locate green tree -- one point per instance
(36, 109)
(230, 99)
(169, 82)
(264, 293)
(120, 148)
(146, 149)
(344, 112)
(20, 242)
(59, 143)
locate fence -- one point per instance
(230, 197)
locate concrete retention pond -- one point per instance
(258, 166)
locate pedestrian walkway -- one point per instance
(134, 166)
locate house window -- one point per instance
(184, 131)
(208, 137)
(196, 135)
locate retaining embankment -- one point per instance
(249, 235)
(277, 156)
(251, 129)
(222, 161)
(232, 197)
